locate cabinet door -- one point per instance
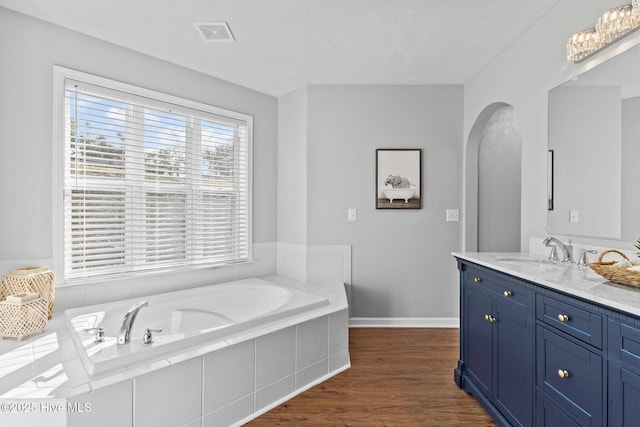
(571, 375)
(624, 397)
(513, 349)
(478, 341)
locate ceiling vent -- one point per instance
(214, 31)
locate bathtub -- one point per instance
(192, 317)
(398, 193)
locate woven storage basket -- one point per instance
(19, 320)
(622, 276)
(30, 279)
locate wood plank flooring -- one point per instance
(398, 377)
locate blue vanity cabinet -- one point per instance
(533, 355)
(497, 345)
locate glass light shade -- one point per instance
(582, 44)
(615, 22)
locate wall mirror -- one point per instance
(594, 132)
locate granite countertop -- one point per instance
(571, 279)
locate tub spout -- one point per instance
(124, 334)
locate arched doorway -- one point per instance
(493, 181)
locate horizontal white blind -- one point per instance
(150, 184)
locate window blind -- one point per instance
(151, 184)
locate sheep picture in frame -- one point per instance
(399, 178)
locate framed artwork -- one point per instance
(399, 178)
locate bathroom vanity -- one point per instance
(548, 344)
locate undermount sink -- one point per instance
(515, 258)
(533, 262)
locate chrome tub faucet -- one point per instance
(124, 334)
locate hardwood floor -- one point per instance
(398, 377)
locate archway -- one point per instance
(493, 181)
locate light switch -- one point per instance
(453, 215)
(573, 216)
(352, 214)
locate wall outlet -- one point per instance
(573, 216)
(453, 215)
(352, 214)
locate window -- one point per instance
(149, 181)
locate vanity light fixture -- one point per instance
(610, 26)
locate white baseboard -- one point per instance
(404, 322)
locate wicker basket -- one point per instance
(622, 276)
(30, 279)
(20, 320)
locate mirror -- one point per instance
(594, 134)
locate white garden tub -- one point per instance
(197, 316)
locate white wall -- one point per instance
(521, 76)
(401, 259)
(30, 48)
(292, 167)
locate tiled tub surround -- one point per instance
(219, 383)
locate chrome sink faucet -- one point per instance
(584, 260)
(124, 334)
(555, 244)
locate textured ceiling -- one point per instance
(282, 45)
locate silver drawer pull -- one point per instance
(477, 280)
(507, 293)
(562, 373)
(563, 317)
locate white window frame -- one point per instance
(60, 76)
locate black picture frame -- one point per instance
(399, 178)
(550, 177)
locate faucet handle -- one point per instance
(98, 335)
(584, 259)
(148, 335)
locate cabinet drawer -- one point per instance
(571, 375)
(549, 415)
(509, 291)
(624, 343)
(578, 323)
